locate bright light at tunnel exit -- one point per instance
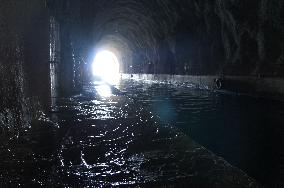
(106, 67)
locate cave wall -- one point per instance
(193, 37)
(24, 65)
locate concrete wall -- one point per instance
(264, 87)
(68, 45)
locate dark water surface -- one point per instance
(246, 131)
(140, 135)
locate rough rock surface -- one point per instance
(23, 57)
(191, 36)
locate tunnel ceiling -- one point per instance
(138, 26)
(188, 36)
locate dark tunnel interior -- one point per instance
(141, 93)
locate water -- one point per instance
(246, 131)
(140, 135)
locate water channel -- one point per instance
(151, 135)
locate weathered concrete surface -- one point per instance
(266, 87)
(67, 44)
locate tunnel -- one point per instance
(142, 93)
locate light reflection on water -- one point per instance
(104, 141)
(119, 139)
(120, 142)
(104, 90)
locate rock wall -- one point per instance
(195, 37)
(24, 66)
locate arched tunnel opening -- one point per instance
(105, 67)
(141, 93)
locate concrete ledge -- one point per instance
(261, 87)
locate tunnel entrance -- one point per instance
(105, 67)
